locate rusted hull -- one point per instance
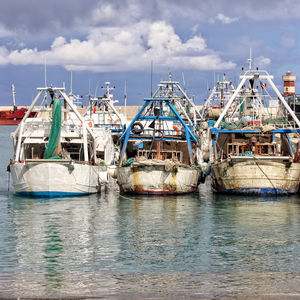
(156, 180)
(256, 177)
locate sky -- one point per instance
(116, 40)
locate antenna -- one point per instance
(151, 73)
(125, 96)
(250, 61)
(184, 87)
(71, 84)
(45, 71)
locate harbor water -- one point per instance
(202, 245)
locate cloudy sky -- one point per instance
(116, 40)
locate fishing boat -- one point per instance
(159, 151)
(252, 149)
(57, 153)
(180, 99)
(217, 99)
(103, 117)
(15, 115)
(102, 112)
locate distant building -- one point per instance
(289, 93)
(288, 84)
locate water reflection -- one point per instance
(112, 244)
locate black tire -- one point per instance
(137, 128)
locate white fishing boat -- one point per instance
(217, 100)
(252, 150)
(102, 112)
(57, 153)
(104, 119)
(159, 151)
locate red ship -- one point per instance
(14, 116)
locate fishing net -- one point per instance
(54, 135)
(233, 125)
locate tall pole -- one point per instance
(14, 94)
(71, 84)
(151, 73)
(45, 71)
(125, 98)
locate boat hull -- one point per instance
(257, 177)
(142, 179)
(52, 179)
(14, 117)
(10, 122)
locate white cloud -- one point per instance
(261, 62)
(124, 48)
(223, 19)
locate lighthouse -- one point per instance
(288, 84)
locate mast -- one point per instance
(14, 95)
(250, 62)
(151, 73)
(125, 96)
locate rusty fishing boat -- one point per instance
(159, 150)
(254, 149)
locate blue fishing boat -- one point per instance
(159, 151)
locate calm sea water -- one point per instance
(130, 247)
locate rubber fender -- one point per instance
(137, 128)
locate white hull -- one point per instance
(256, 177)
(141, 179)
(54, 178)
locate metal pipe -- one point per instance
(181, 121)
(189, 100)
(19, 141)
(230, 101)
(126, 134)
(28, 111)
(85, 147)
(73, 107)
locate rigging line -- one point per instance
(255, 159)
(151, 146)
(220, 153)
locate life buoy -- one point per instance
(177, 128)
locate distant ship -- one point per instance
(15, 115)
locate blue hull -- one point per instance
(258, 191)
(48, 194)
